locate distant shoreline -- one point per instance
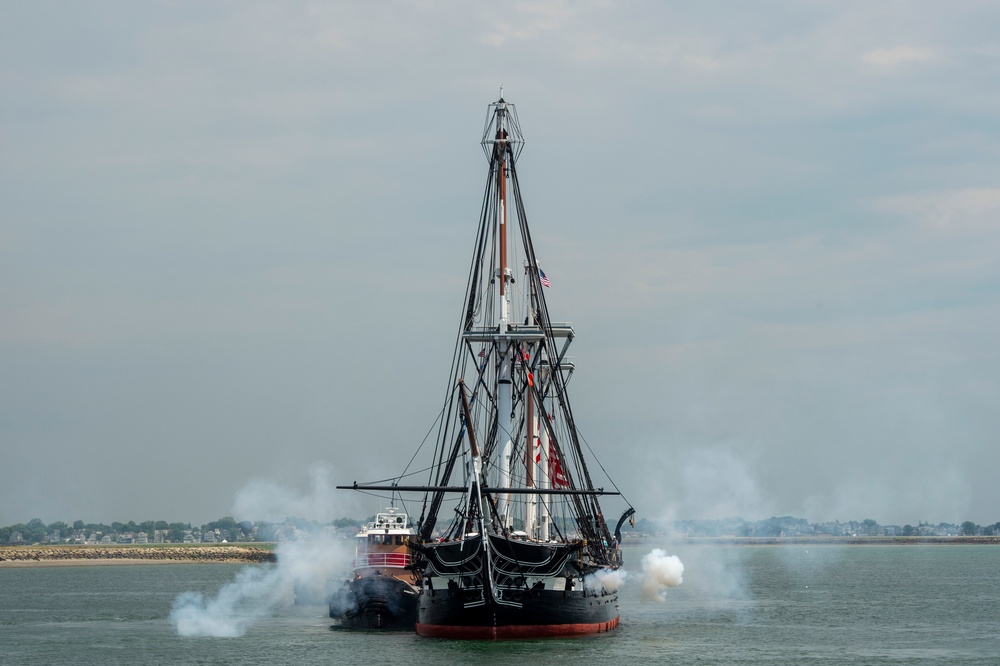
(54, 556)
(831, 541)
(58, 556)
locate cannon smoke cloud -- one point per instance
(659, 572)
(607, 579)
(303, 568)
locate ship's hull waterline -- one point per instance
(449, 614)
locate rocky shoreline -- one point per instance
(84, 555)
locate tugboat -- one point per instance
(523, 549)
(382, 592)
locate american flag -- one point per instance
(557, 478)
(482, 352)
(544, 278)
(556, 475)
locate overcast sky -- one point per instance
(234, 240)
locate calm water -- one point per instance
(740, 605)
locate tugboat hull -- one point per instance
(375, 602)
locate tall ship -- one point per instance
(382, 591)
(512, 541)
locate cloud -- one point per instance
(702, 61)
(531, 21)
(899, 55)
(213, 225)
(952, 210)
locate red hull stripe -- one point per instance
(515, 631)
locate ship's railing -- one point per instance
(382, 560)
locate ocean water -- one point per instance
(737, 605)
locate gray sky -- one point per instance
(234, 239)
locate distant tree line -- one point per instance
(785, 526)
(36, 531)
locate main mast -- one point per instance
(503, 140)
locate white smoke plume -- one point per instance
(659, 572)
(304, 569)
(608, 579)
(264, 499)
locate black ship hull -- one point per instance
(549, 613)
(532, 590)
(375, 602)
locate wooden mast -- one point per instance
(504, 379)
(502, 189)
